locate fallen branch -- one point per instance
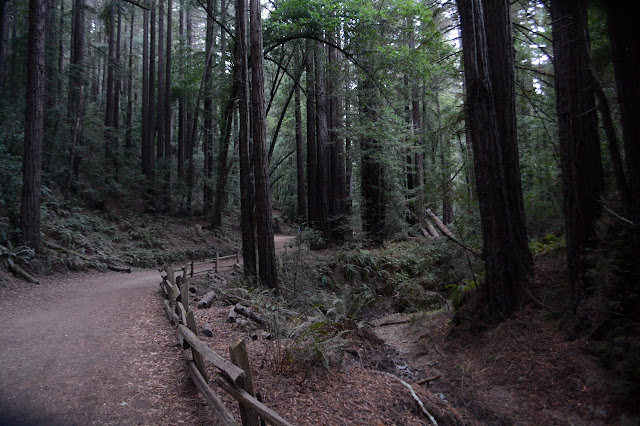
(429, 379)
(414, 395)
(21, 273)
(443, 228)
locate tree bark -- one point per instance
(323, 168)
(338, 186)
(312, 153)
(302, 206)
(76, 84)
(34, 127)
(582, 178)
(490, 80)
(266, 250)
(625, 46)
(168, 150)
(372, 171)
(246, 181)
(128, 143)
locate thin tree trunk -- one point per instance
(160, 151)
(34, 126)
(312, 152)
(76, 72)
(128, 144)
(447, 206)
(110, 65)
(302, 206)
(182, 112)
(4, 38)
(168, 151)
(266, 250)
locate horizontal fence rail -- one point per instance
(234, 377)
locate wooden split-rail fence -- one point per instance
(234, 376)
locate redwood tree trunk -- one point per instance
(373, 171)
(323, 146)
(34, 127)
(625, 46)
(246, 181)
(302, 206)
(490, 79)
(266, 249)
(581, 165)
(312, 154)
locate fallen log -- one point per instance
(21, 273)
(115, 268)
(432, 231)
(232, 315)
(207, 300)
(443, 228)
(243, 310)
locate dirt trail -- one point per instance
(92, 349)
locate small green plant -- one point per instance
(545, 244)
(458, 292)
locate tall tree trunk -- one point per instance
(4, 38)
(338, 186)
(34, 127)
(152, 123)
(490, 80)
(302, 206)
(372, 170)
(168, 151)
(190, 132)
(116, 95)
(266, 250)
(323, 145)
(246, 181)
(76, 85)
(581, 165)
(625, 46)
(110, 69)
(312, 152)
(128, 143)
(223, 168)
(447, 205)
(208, 131)
(182, 110)
(160, 151)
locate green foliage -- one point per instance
(545, 244)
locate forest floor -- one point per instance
(96, 348)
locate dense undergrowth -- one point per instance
(78, 238)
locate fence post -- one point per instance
(238, 353)
(217, 259)
(192, 267)
(197, 358)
